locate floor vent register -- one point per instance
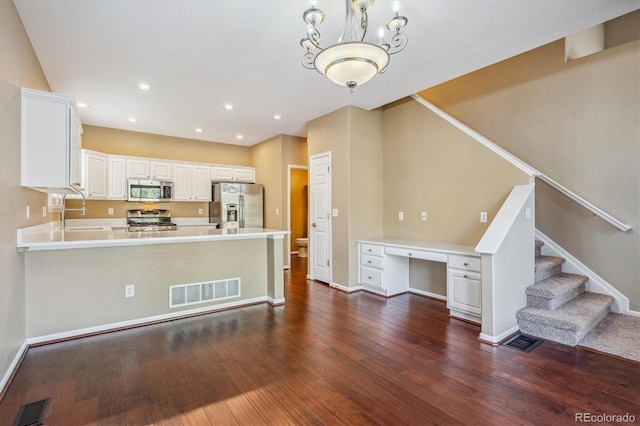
(32, 414)
(523, 343)
(191, 294)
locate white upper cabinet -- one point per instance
(138, 168)
(191, 182)
(160, 170)
(233, 174)
(96, 172)
(149, 169)
(50, 142)
(117, 174)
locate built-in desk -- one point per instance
(384, 269)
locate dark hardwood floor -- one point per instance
(326, 357)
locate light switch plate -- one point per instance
(400, 215)
(483, 217)
(110, 211)
(423, 216)
(334, 212)
(199, 211)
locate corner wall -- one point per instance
(19, 67)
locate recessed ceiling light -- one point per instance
(198, 130)
(229, 107)
(144, 86)
(83, 105)
(239, 136)
(132, 120)
(277, 117)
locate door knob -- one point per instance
(313, 224)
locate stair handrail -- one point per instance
(523, 166)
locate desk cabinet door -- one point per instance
(464, 291)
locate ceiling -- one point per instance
(199, 55)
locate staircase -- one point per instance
(558, 308)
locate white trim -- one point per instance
(500, 337)
(501, 225)
(13, 367)
(289, 168)
(428, 294)
(279, 301)
(524, 167)
(345, 288)
(596, 283)
(143, 321)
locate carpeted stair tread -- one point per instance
(557, 285)
(573, 315)
(569, 323)
(546, 262)
(547, 266)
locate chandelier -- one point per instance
(352, 61)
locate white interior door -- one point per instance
(319, 210)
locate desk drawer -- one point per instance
(371, 276)
(371, 249)
(416, 254)
(465, 263)
(372, 261)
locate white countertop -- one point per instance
(425, 245)
(49, 236)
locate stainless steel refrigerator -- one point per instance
(237, 205)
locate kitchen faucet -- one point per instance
(64, 207)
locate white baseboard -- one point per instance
(142, 321)
(500, 337)
(428, 294)
(596, 283)
(276, 302)
(346, 289)
(13, 367)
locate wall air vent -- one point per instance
(195, 293)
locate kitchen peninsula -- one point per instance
(88, 280)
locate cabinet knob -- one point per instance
(410, 254)
(465, 276)
(368, 261)
(369, 250)
(466, 264)
(369, 277)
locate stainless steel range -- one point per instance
(143, 220)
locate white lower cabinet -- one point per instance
(464, 287)
(385, 275)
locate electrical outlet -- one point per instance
(110, 211)
(277, 212)
(44, 211)
(423, 216)
(483, 217)
(400, 215)
(199, 211)
(28, 212)
(128, 290)
(527, 213)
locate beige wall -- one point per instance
(354, 138)
(578, 123)
(123, 142)
(271, 159)
(19, 67)
(75, 289)
(431, 166)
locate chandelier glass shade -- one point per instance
(352, 61)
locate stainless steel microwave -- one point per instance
(145, 190)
